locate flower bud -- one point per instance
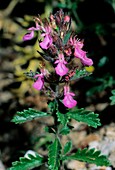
(66, 18)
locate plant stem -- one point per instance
(56, 123)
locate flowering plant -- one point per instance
(61, 48)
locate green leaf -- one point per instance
(28, 115)
(67, 147)
(80, 74)
(65, 130)
(66, 38)
(52, 106)
(27, 163)
(103, 61)
(112, 98)
(85, 116)
(90, 156)
(65, 127)
(63, 118)
(54, 155)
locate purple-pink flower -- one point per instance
(61, 69)
(30, 35)
(79, 53)
(38, 84)
(68, 100)
(47, 42)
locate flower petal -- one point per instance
(61, 69)
(69, 102)
(45, 44)
(38, 85)
(78, 53)
(28, 36)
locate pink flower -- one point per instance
(68, 100)
(46, 43)
(38, 85)
(75, 42)
(79, 53)
(61, 69)
(67, 18)
(30, 35)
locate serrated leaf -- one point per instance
(28, 115)
(90, 156)
(112, 98)
(80, 74)
(28, 163)
(54, 155)
(85, 116)
(67, 147)
(63, 118)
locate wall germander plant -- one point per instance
(60, 47)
